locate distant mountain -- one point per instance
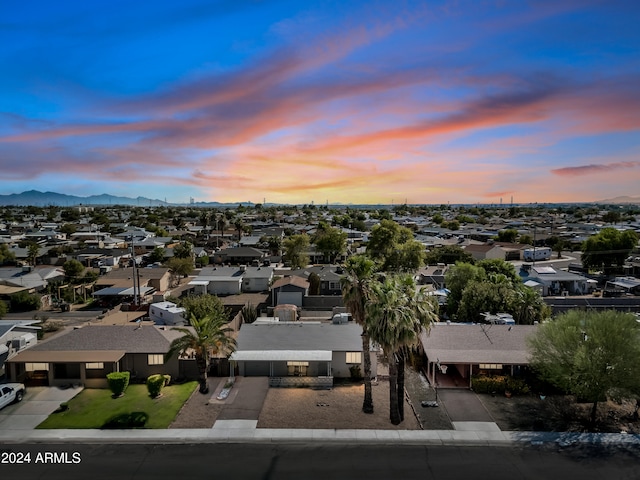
(623, 199)
(44, 199)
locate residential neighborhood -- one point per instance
(308, 297)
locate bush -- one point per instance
(24, 302)
(155, 383)
(356, 373)
(118, 382)
(499, 384)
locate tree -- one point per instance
(331, 241)
(25, 302)
(183, 250)
(448, 254)
(3, 308)
(456, 280)
(509, 235)
(209, 336)
(396, 315)
(608, 249)
(314, 283)
(33, 251)
(202, 306)
(355, 293)
(395, 248)
(295, 247)
(6, 255)
(525, 240)
(72, 269)
(179, 268)
(592, 355)
(157, 255)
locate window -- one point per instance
(354, 357)
(334, 286)
(155, 359)
(297, 369)
(297, 364)
(491, 366)
(94, 366)
(32, 367)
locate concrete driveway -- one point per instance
(465, 410)
(35, 407)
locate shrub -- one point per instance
(167, 380)
(499, 384)
(356, 373)
(155, 384)
(118, 382)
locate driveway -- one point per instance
(245, 400)
(463, 406)
(35, 407)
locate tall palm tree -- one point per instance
(396, 315)
(210, 335)
(355, 292)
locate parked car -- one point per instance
(10, 393)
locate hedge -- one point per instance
(498, 384)
(118, 382)
(156, 382)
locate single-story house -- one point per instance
(557, 282)
(300, 353)
(86, 355)
(232, 280)
(239, 255)
(455, 351)
(290, 290)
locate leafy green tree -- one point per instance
(157, 255)
(3, 308)
(355, 294)
(6, 255)
(179, 268)
(611, 217)
(33, 251)
(295, 247)
(314, 283)
(395, 248)
(592, 355)
(396, 315)
(496, 267)
(608, 249)
(25, 302)
(484, 296)
(331, 241)
(203, 306)
(209, 335)
(68, 229)
(456, 280)
(183, 250)
(449, 255)
(509, 235)
(525, 240)
(72, 269)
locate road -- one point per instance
(318, 462)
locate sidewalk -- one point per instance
(244, 431)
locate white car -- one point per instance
(11, 392)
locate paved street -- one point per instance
(321, 461)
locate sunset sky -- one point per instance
(309, 101)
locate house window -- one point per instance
(490, 366)
(334, 285)
(297, 369)
(155, 359)
(94, 366)
(354, 357)
(32, 367)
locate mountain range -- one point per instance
(45, 199)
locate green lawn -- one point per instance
(93, 408)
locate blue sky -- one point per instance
(294, 102)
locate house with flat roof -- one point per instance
(300, 353)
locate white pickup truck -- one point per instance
(11, 392)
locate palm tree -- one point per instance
(210, 335)
(360, 269)
(396, 315)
